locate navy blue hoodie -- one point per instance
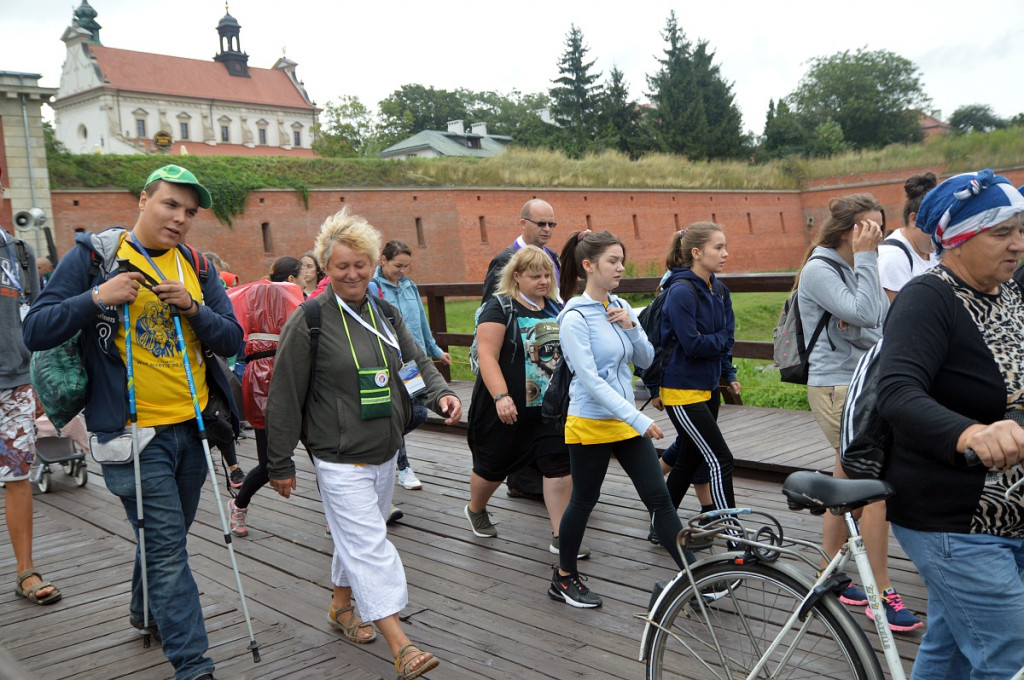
(703, 325)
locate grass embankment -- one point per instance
(756, 316)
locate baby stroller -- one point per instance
(67, 449)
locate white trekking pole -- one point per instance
(140, 516)
(176, 315)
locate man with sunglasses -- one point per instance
(537, 221)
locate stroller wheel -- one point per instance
(44, 481)
(68, 466)
(81, 474)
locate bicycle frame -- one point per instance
(769, 552)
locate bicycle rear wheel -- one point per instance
(746, 607)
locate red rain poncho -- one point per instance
(261, 308)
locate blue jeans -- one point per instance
(975, 604)
(173, 467)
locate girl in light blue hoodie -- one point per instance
(600, 336)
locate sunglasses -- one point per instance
(542, 224)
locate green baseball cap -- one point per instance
(179, 175)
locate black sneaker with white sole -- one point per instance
(570, 589)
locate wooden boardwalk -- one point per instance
(479, 604)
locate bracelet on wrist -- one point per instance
(97, 300)
(500, 397)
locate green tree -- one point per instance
(695, 112)
(827, 140)
(344, 128)
(414, 108)
(874, 96)
(784, 133)
(620, 120)
(576, 97)
(976, 118)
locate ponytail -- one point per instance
(582, 245)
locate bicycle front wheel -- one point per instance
(745, 609)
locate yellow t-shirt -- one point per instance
(596, 431)
(162, 395)
(673, 397)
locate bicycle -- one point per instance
(746, 614)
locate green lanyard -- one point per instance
(373, 318)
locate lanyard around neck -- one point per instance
(389, 339)
(11, 266)
(145, 254)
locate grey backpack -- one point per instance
(792, 353)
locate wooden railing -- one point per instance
(437, 293)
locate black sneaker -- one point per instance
(570, 589)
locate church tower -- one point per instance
(85, 17)
(231, 55)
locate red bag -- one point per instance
(262, 308)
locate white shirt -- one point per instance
(895, 269)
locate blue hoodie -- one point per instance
(406, 296)
(702, 321)
(66, 306)
(599, 354)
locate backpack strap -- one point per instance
(823, 321)
(198, 261)
(902, 246)
(311, 308)
(374, 290)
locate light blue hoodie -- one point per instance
(599, 354)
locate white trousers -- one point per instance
(356, 501)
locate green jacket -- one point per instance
(325, 414)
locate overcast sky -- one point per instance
(967, 52)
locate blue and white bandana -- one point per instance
(965, 205)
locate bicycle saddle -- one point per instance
(816, 492)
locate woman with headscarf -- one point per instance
(951, 381)
(350, 414)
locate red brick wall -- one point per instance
(767, 230)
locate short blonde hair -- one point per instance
(349, 230)
(528, 258)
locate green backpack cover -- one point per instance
(60, 381)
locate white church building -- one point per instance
(124, 102)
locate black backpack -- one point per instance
(555, 406)
(791, 351)
(902, 246)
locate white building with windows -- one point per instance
(123, 102)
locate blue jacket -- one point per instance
(703, 325)
(66, 306)
(406, 296)
(599, 354)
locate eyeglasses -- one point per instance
(542, 224)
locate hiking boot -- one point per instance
(901, 619)
(136, 623)
(236, 477)
(853, 596)
(407, 478)
(394, 514)
(238, 527)
(481, 523)
(570, 589)
(584, 551)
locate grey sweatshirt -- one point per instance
(14, 356)
(860, 302)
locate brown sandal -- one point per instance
(32, 592)
(351, 631)
(410, 654)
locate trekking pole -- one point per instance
(176, 315)
(140, 517)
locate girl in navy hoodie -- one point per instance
(697, 323)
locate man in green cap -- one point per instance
(150, 273)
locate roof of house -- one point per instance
(449, 144)
(177, 76)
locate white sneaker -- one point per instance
(407, 478)
(238, 527)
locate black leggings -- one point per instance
(589, 465)
(700, 440)
(258, 476)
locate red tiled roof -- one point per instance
(177, 76)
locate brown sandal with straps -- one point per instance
(407, 656)
(351, 631)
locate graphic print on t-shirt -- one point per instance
(542, 350)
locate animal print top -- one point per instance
(1000, 319)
